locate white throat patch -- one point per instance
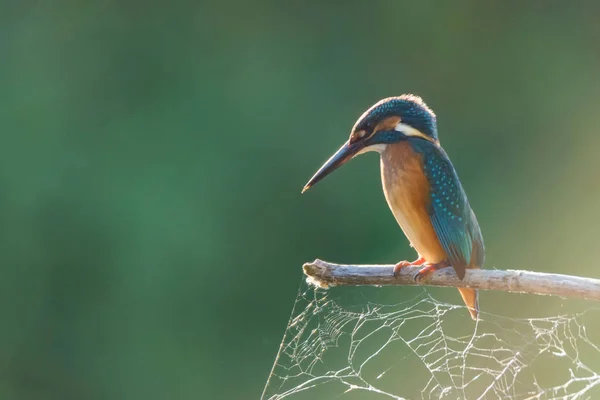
(379, 148)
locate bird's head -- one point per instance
(388, 121)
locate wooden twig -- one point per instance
(323, 274)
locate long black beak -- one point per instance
(345, 153)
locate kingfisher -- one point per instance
(420, 186)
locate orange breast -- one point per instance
(407, 193)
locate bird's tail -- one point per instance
(471, 299)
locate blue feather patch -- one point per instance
(449, 210)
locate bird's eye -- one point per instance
(357, 135)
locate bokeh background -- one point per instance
(152, 157)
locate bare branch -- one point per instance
(323, 274)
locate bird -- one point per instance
(421, 187)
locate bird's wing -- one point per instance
(453, 220)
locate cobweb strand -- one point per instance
(417, 349)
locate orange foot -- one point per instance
(429, 269)
(402, 264)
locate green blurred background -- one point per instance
(152, 156)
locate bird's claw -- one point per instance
(402, 264)
(427, 270)
(399, 266)
(422, 275)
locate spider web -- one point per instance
(350, 343)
